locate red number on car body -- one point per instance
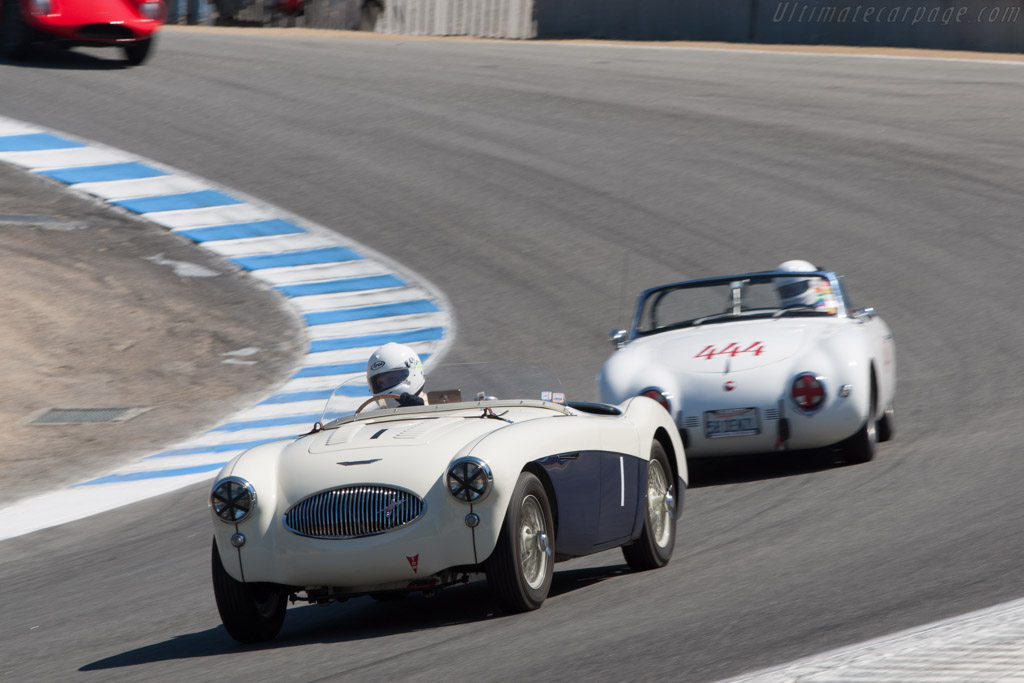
(733, 349)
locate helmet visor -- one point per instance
(380, 383)
(793, 289)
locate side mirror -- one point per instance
(618, 338)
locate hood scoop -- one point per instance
(344, 434)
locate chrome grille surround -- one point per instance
(354, 512)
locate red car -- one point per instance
(128, 24)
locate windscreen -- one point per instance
(458, 383)
(729, 300)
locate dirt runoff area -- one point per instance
(101, 310)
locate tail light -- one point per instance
(808, 392)
(658, 395)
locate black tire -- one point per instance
(658, 538)
(522, 566)
(251, 612)
(887, 425)
(136, 53)
(860, 448)
(15, 35)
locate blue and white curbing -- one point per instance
(350, 298)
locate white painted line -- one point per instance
(50, 160)
(267, 245)
(139, 187)
(207, 217)
(987, 645)
(327, 271)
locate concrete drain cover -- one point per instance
(74, 416)
(44, 222)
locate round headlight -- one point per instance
(39, 7)
(151, 10)
(469, 479)
(808, 392)
(233, 499)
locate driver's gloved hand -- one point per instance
(407, 399)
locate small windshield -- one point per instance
(458, 383)
(691, 304)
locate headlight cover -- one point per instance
(39, 7)
(233, 499)
(808, 392)
(151, 10)
(469, 479)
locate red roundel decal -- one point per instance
(729, 386)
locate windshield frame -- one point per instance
(762, 277)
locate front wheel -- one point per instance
(251, 612)
(521, 568)
(658, 538)
(137, 52)
(887, 424)
(15, 34)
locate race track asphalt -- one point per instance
(541, 186)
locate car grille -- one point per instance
(353, 512)
(106, 32)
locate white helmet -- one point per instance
(395, 369)
(796, 291)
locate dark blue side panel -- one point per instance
(619, 495)
(576, 478)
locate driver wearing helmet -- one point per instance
(803, 291)
(396, 369)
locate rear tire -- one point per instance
(658, 538)
(251, 612)
(136, 53)
(521, 568)
(15, 35)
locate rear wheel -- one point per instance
(521, 568)
(658, 538)
(15, 34)
(137, 52)
(251, 612)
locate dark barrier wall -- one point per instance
(729, 20)
(989, 25)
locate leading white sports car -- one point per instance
(760, 362)
(390, 500)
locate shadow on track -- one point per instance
(50, 57)
(744, 468)
(359, 619)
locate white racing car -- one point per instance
(760, 362)
(495, 476)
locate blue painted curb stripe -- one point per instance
(305, 257)
(321, 395)
(129, 170)
(237, 231)
(243, 425)
(328, 370)
(220, 447)
(369, 312)
(203, 199)
(423, 334)
(35, 142)
(157, 474)
(352, 284)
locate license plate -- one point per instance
(719, 424)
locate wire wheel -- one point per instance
(534, 552)
(660, 505)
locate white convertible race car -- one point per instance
(760, 362)
(391, 500)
